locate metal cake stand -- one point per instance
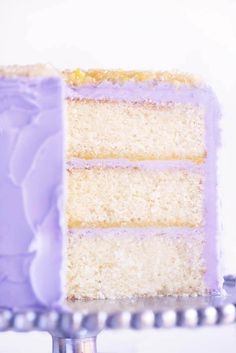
(75, 329)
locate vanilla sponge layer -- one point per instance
(138, 131)
(119, 264)
(117, 197)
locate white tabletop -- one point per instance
(204, 340)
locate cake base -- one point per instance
(120, 263)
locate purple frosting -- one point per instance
(31, 179)
(137, 232)
(155, 92)
(125, 163)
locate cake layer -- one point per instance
(135, 197)
(117, 263)
(137, 131)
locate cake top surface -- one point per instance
(37, 70)
(79, 77)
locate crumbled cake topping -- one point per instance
(38, 70)
(79, 77)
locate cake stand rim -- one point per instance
(69, 323)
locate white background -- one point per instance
(189, 35)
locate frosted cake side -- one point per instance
(31, 183)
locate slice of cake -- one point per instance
(31, 186)
(141, 181)
(140, 186)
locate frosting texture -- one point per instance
(31, 201)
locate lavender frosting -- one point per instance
(125, 163)
(31, 179)
(154, 92)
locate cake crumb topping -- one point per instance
(79, 77)
(37, 70)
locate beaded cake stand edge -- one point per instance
(75, 331)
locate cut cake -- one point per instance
(140, 189)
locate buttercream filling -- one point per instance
(78, 163)
(137, 232)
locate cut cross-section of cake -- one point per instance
(141, 184)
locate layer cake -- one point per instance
(139, 184)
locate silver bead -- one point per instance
(48, 321)
(5, 319)
(166, 319)
(143, 320)
(94, 322)
(227, 314)
(24, 321)
(119, 320)
(208, 316)
(189, 318)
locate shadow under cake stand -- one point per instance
(75, 329)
